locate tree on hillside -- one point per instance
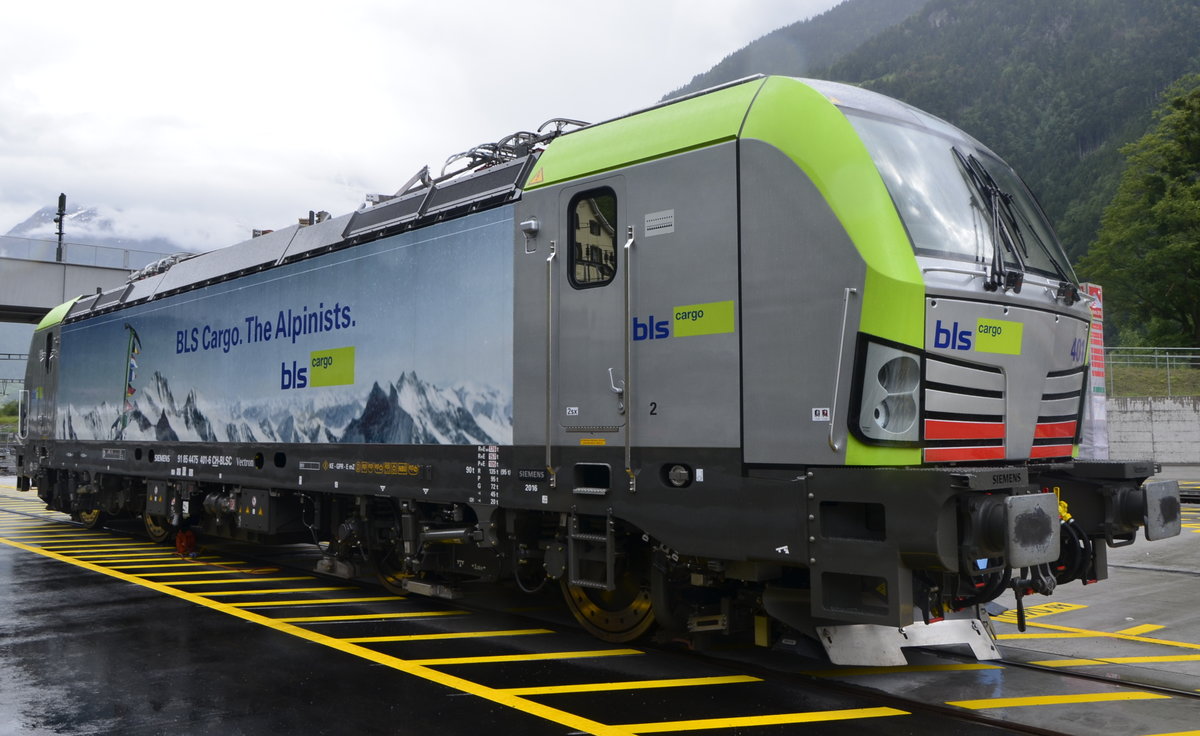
(1147, 253)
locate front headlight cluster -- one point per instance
(890, 394)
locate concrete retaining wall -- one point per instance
(1162, 429)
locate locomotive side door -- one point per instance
(590, 331)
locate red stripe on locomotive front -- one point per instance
(1063, 430)
(962, 454)
(941, 429)
(1051, 450)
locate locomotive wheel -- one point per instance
(156, 528)
(390, 576)
(619, 615)
(89, 519)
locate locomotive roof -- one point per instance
(674, 126)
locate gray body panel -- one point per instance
(1042, 371)
(684, 391)
(797, 263)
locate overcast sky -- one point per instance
(202, 121)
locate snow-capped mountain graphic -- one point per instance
(411, 411)
(407, 411)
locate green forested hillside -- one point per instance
(797, 49)
(1054, 86)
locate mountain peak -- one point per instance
(90, 225)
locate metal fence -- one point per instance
(78, 254)
(1148, 372)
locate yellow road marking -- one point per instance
(526, 657)
(1118, 660)
(783, 718)
(1110, 635)
(280, 591)
(1177, 733)
(41, 532)
(1037, 611)
(1045, 636)
(366, 617)
(570, 720)
(106, 548)
(311, 602)
(1067, 662)
(600, 687)
(989, 703)
(224, 581)
(1139, 630)
(212, 570)
(901, 669)
(193, 562)
(452, 635)
(125, 557)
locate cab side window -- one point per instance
(593, 250)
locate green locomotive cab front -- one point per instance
(990, 397)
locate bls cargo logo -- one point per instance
(987, 336)
(323, 368)
(714, 318)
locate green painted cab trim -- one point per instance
(57, 315)
(813, 132)
(659, 132)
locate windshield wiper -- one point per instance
(1068, 292)
(1005, 229)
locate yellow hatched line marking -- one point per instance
(41, 532)
(1067, 662)
(124, 557)
(275, 591)
(989, 703)
(600, 687)
(1045, 636)
(526, 657)
(98, 548)
(41, 539)
(1118, 660)
(224, 580)
(901, 669)
(454, 635)
(210, 571)
(366, 617)
(49, 542)
(1037, 611)
(311, 602)
(1138, 630)
(178, 564)
(1110, 635)
(564, 718)
(818, 716)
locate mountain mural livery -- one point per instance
(407, 411)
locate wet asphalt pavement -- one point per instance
(84, 654)
(84, 650)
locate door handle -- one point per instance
(619, 391)
(612, 383)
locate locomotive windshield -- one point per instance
(943, 206)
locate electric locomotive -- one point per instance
(785, 355)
